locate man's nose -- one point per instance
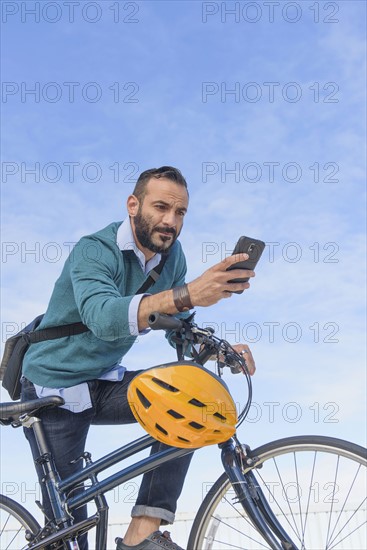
(169, 219)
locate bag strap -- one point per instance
(153, 276)
(52, 333)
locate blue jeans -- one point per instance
(66, 434)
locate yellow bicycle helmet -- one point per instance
(183, 405)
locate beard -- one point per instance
(149, 235)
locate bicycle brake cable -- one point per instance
(222, 347)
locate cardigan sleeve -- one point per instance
(100, 303)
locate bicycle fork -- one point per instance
(251, 497)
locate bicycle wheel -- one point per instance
(15, 522)
(314, 485)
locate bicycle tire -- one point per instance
(221, 524)
(15, 521)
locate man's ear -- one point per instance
(132, 205)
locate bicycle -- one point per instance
(264, 498)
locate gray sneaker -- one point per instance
(155, 541)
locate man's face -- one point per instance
(159, 219)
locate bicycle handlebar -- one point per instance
(161, 321)
(210, 345)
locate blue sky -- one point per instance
(266, 119)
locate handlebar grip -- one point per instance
(162, 321)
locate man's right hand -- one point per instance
(213, 284)
(204, 291)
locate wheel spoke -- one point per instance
(293, 527)
(309, 496)
(240, 513)
(356, 529)
(240, 532)
(332, 542)
(298, 496)
(343, 507)
(327, 541)
(5, 524)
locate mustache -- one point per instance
(166, 230)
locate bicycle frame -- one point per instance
(57, 489)
(234, 460)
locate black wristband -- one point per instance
(181, 298)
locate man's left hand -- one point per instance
(245, 351)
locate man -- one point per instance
(98, 286)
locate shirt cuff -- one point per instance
(133, 315)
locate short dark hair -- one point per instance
(168, 172)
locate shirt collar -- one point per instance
(125, 241)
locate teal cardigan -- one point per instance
(96, 286)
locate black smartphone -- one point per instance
(254, 248)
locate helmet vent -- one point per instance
(183, 439)
(196, 425)
(175, 414)
(141, 421)
(164, 385)
(220, 416)
(143, 400)
(161, 429)
(196, 402)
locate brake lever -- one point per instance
(235, 363)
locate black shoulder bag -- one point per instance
(17, 345)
